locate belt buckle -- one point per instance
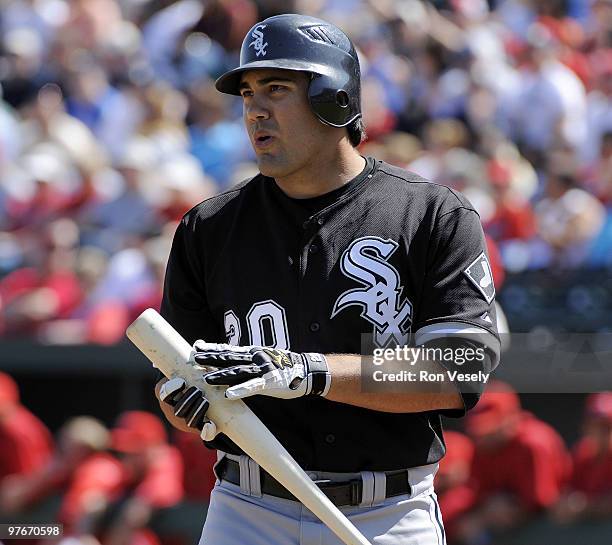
(354, 499)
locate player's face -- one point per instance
(283, 130)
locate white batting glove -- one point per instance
(251, 370)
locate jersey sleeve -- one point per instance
(458, 294)
(184, 302)
(457, 308)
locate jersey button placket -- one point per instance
(311, 247)
(308, 236)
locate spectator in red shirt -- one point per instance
(30, 297)
(200, 460)
(519, 468)
(514, 218)
(26, 442)
(81, 442)
(590, 492)
(92, 475)
(497, 266)
(455, 496)
(152, 478)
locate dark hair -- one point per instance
(356, 132)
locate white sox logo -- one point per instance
(258, 40)
(365, 260)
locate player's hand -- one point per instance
(251, 370)
(189, 405)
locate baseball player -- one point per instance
(278, 280)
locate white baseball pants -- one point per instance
(240, 515)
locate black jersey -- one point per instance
(389, 254)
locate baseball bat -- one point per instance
(170, 353)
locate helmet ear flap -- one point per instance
(331, 102)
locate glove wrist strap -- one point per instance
(318, 375)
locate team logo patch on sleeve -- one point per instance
(479, 273)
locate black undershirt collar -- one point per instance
(302, 209)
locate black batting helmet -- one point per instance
(307, 44)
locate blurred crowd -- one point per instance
(104, 485)
(505, 470)
(110, 129)
(510, 468)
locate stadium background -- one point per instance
(110, 129)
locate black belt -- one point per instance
(347, 493)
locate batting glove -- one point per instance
(190, 405)
(252, 370)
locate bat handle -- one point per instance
(169, 352)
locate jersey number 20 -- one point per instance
(266, 323)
